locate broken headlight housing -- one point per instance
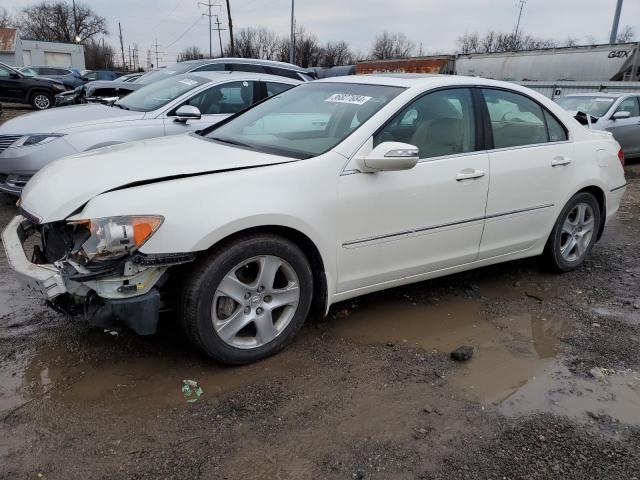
(115, 237)
(35, 139)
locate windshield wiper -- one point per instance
(231, 142)
(116, 104)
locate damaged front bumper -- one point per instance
(130, 297)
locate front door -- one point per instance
(627, 130)
(11, 89)
(394, 225)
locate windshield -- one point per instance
(158, 94)
(593, 105)
(171, 70)
(307, 120)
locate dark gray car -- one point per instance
(70, 78)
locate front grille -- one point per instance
(6, 140)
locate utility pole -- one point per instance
(157, 61)
(130, 64)
(522, 4)
(233, 50)
(75, 23)
(219, 34)
(292, 38)
(121, 44)
(613, 38)
(209, 4)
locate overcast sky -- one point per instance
(434, 23)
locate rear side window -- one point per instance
(283, 72)
(212, 67)
(246, 67)
(439, 123)
(274, 88)
(517, 120)
(629, 105)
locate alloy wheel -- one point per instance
(577, 232)
(41, 102)
(255, 301)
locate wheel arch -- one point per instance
(601, 197)
(320, 302)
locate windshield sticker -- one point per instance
(169, 72)
(188, 81)
(348, 98)
(245, 84)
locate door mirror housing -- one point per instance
(14, 75)
(186, 113)
(390, 156)
(620, 115)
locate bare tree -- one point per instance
(469, 43)
(54, 21)
(570, 42)
(98, 55)
(336, 53)
(496, 42)
(391, 45)
(5, 19)
(190, 53)
(627, 34)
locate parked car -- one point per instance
(327, 191)
(252, 65)
(92, 75)
(178, 104)
(130, 77)
(100, 91)
(70, 77)
(36, 91)
(618, 113)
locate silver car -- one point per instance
(178, 104)
(618, 113)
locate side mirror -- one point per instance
(186, 113)
(391, 156)
(620, 115)
(14, 75)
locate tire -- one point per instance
(226, 314)
(41, 100)
(574, 233)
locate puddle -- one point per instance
(509, 351)
(557, 390)
(135, 385)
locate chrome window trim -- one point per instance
(417, 231)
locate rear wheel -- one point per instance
(574, 233)
(247, 300)
(41, 100)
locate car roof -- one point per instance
(239, 76)
(411, 80)
(252, 61)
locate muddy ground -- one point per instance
(553, 390)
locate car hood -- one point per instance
(65, 185)
(59, 119)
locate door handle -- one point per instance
(469, 174)
(560, 160)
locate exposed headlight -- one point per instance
(116, 236)
(35, 139)
(59, 86)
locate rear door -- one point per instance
(627, 130)
(11, 89)
(530, 165)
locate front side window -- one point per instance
(223, 99)
(274, 88)
(212, 67)
(5, 72)
(439, 123)
(158, 94)
(305, 121)
(515, 119)
(91, 76)
(629, 105)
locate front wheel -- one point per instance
(248, 299)
(574, 233)
(41, 101)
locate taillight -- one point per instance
(621, 157)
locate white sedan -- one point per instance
(330, 190)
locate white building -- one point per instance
(17, 52)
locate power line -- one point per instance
(219, 34)
(186, 31)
